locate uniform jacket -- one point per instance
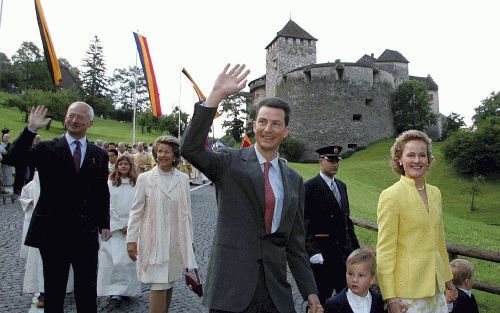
(340, 304)
(323, 216)
(411, 248)
(73, 206)
(240, 245)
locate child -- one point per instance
(356, 297)
(463, 278)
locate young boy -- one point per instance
(356, 297)
(463, 278)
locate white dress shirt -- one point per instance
(72, 145)
(359, 304)
(276, 185)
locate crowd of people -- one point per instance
(120, 216)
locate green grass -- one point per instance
(367, 173)
(106, 130)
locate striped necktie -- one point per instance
(335, 189)
(77, 155)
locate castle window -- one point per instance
(368, 101)
(356, 117)
(431, 97)
(307, 74)
(309, 42)
(352, 145)
(275, 63)
(340, 73)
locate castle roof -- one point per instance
(428, 81)
(292, 30)
(366, 60)
(391, 56)
(257, 83)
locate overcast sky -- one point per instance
(455, 42)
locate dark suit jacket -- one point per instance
(240, 245)
(72, 206)
(340, 304)
(323, 215)
(464, 303)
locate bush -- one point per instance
(475, 152)
(291, 149)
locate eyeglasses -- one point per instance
(274, 124)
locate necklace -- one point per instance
(420, 189)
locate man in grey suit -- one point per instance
(260, 225)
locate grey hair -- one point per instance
(90, 110)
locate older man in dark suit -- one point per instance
(260, 199)
(330, 236)
(73, 205)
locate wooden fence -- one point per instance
(454, 250)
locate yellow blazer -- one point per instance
(411, 249)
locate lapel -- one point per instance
(325, 190)
(286, 190)
(250, 164)
(62, 148)
(345, 302)
(155, 176)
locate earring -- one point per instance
(400, 164)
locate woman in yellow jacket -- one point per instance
(413, 267)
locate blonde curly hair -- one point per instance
(399, 144)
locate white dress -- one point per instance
(33, 275)
(160, 224)
(117, 273)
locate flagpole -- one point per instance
(179, 129)
(135, 96)
(1, 11)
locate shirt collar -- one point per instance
(262, 159)
(327, 179)
(70, 139)
(468, 292)
(357, 298)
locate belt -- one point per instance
(322, 235)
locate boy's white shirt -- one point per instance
(359, 304)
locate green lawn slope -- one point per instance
(367, 173)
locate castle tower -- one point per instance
(291, 48)
(395, 63)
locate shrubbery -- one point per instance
(291, 149)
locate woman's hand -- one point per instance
(451, 291)
(132, 250)
(395, 305)
(124, 230)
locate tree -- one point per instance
(451, 124)
(474, 189)
(30, 67)
(123, 89)
(489, 107)
(94, 80)
(235, 107)
(475, 152)
(411, 108)
(7, 74)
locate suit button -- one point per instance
(331, 216)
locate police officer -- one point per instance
(330, 236)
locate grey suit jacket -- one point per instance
(240, 245)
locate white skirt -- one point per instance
(434, 304)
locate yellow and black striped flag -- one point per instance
(48, 47)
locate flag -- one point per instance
(245, 142)
(149, 73)
(48, 47)
(201, 96)
(199, 93)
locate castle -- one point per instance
(341, 103)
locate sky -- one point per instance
(455, 42)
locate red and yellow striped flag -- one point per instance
(245, 142)
(149, 73)
(48, 47)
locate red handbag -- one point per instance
(193, 282)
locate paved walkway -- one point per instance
(204, 213)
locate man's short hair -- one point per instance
(462, 270)
(90, 110)
(276, 103)
(114, 151)
(363, 255)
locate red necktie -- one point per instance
(269, 199)
(77, 155)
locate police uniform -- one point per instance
(330, 236)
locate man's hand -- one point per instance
(132, 250)
(227, 83)
(36, 119)
(105, 234)
(314, 304)
(317, 259)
